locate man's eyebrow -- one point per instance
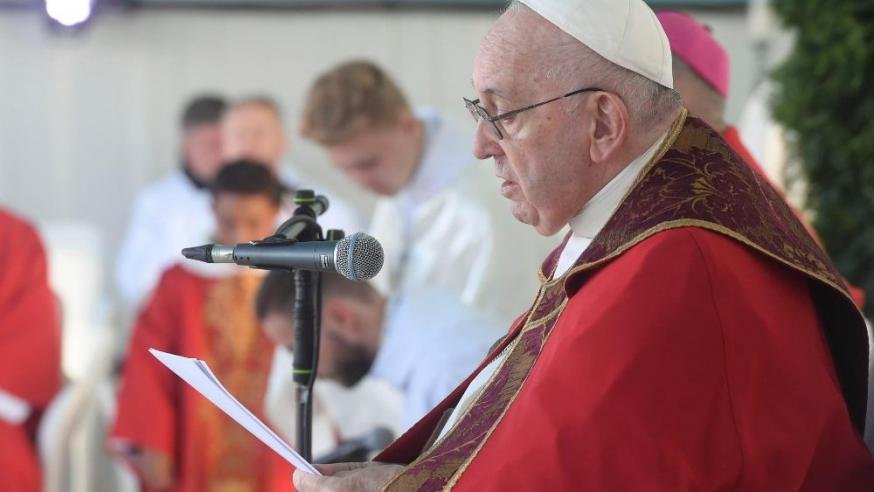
(490, 91)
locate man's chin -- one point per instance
(350, 381)
(523, 214)
(533, 219)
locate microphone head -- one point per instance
(359, 257)
(199, 253)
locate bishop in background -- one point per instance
(688, 334)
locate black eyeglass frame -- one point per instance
(478, 112)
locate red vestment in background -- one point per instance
(213, 320)
(30, 347)
(703, 341)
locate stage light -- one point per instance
(69, 12)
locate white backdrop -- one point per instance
(87, 119)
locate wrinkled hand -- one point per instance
(346, 477)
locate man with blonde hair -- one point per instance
(690, 334)
(437, 223)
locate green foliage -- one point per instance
(825, 99)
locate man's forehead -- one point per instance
(511, 54)
(497, 68)
(252, 111)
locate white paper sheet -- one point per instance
(197, 374)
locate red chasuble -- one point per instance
(703, 341)
(732, 137)
(213, 320)
(30, 347)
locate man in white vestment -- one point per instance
(176, 211)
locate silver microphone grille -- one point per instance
(359, 257)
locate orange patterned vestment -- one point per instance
(213, 320)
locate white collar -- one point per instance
(595, 214)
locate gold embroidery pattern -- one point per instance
(701, 180)
(238, 353)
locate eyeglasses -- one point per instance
(478, 112)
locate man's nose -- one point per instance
(485, 144)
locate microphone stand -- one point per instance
(307, 317)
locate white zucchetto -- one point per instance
(625, 32)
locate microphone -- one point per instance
(358, 449)
(357, 257)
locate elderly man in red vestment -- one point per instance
(30, 346)
(175, 439)
(688, 334)
(701, 76)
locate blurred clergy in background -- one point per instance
(440, 221)
(175, 439)
(689, 334)
(252, 129)
(30, 351)
(174, 212)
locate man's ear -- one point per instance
(609, 128)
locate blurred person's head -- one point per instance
(252, 129)
(361, 117)
(246, 202)
(202, 137)
(352, 323)
(701, 67)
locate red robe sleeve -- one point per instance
(709, 373)
(30, 342)
(147, 397)
(30, 346)
(19, 465)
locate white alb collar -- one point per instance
(595, 214)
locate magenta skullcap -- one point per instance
(692, 42)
